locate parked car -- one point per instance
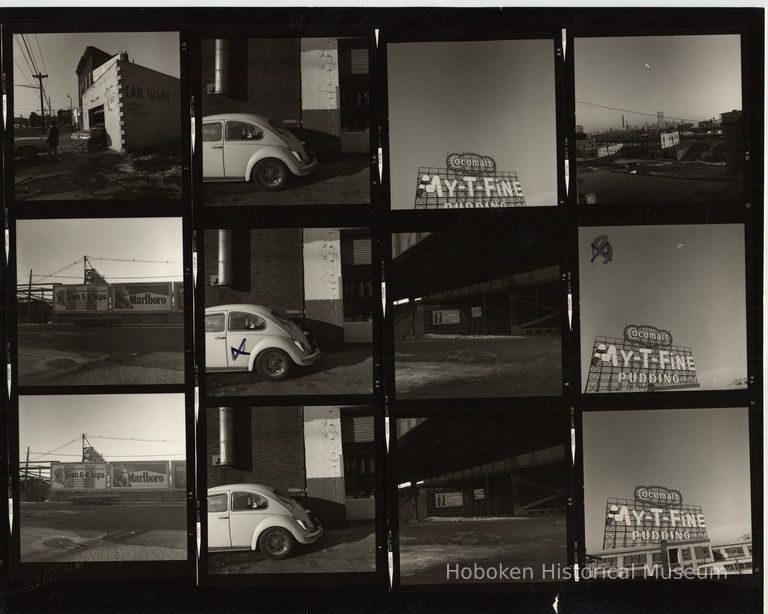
(27, 147)
(96, 137)
(244, 337)
(251, 516)
(248, 147)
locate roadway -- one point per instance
(62, 531)
(473, 367)
(64, 354)
(428, 549)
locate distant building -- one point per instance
(137, 106)
(733, 136)
(660, 119)
(579, 128)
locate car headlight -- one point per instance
(297, 155)
(301, 523)
(299, 345)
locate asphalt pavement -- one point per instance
(60, 531)
(347, 372)
(106, 174)
(352, 549)
(472, 367)
(428, 549)
(64, 354)
(341, 180)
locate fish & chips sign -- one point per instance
(655, 515)
(644, 360)
(468, 181)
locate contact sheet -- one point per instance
(427, 305)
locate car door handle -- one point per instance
(220, 337)
(222, 517)
(217, 146)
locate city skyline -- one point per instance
(690, 78)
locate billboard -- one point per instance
(178, 296)
(468, 181)
(80, 297)
(78, 476)
(446, 316)
(140, 475)
(155, 296)
(179, 473)
(655, 515)
(644, 360)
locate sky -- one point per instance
(703, 453)
(47, 422)
(687, 279)
(61, 53)
(46, 246)
(687, 77)
(494, 98)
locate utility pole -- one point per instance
(50, 112)
(29, 294)
(40, 78)
(26, 469)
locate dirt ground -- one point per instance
(106, 174)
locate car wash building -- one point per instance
(454, 468)
(324, 457)
(319, 276)
(138, 107)
(443, 285)
(319, 86)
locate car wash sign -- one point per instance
(140, 475)
(81, 297)
(468, 181)
(78, 476)
(655, 515)
(142, 297)
(644, 360)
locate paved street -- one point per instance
(344, 180)
(470, 367)
(347, 372)
(352, 549)
(427, 547)
(116, 532)
(81, 175)
(622, 187)
(64, 354)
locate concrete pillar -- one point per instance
(320, 102)
(324, 462)
(323, 305)
(418, 321)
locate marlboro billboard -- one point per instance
(157, 296)
(140, 475)
(78, 476)
(80, 297)
(468, 181)
(644, 360)
(179, 472)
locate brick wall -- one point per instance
(268, 269)
(273, 439)
(265, 78)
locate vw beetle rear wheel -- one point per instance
(273, 364)
(270, 174)
(277, 543)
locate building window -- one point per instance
(733, 552)
(636, 560)
(608, 562)
(686, 552)
(657, 558)
(702, 552)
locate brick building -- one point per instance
(320, 86)
(321, 456)
(321, 276)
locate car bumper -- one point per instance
(310, 359)
(311, 538)
(302, 170)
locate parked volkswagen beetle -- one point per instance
(248, 147)
(242, 337)
(251, 516)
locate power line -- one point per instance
(110, 277)
(118, 455)
(136, 260)
(23, 55)
(133, 439)
(41, 53)
(78, 261)
(64, 445)
(602, 106)
(31, 57)
(23, 74)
